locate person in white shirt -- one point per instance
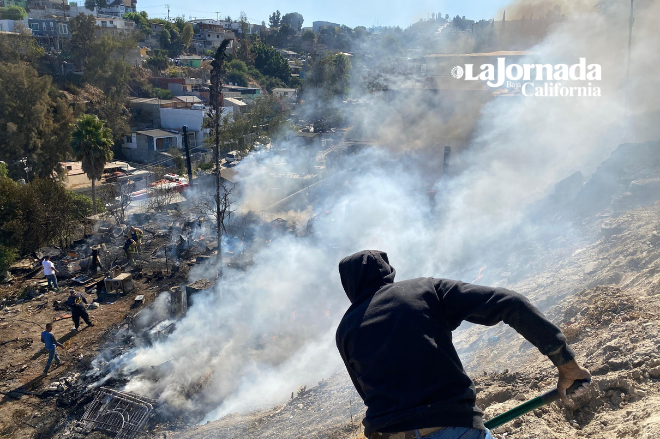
(49, 272)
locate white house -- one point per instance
(176, 118)
(286, 93)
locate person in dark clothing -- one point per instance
(75, 302)
(396, 342)
(50, 343)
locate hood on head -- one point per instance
(365, 272)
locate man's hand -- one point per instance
(568, 373)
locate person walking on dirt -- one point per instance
(129, 249)
(136, 235)
(396, 342)
(49, 272)
(75, 302)
(50, 343)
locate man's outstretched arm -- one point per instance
(489, 306)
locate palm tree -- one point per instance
(92, 145)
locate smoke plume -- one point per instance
(269, 329)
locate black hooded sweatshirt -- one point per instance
(396, 342)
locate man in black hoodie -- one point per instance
(75, 302)
(396, 342)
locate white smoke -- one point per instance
(269, 329)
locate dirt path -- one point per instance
(27, 409)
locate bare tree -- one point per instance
(158, 196)
(117, 198)
(217, 207)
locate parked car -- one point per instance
(233, 156)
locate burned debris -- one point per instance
(120, 414)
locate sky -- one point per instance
(349, 12)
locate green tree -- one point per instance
(270, 62)
(161, 93)
(20, 48)
(274, 19)
(41, 212)
(294, 20)
(91, 142)
(165, 39)
(158, 59)
(7, 257)
(126, 43)
(179, 24)
(111, 76)
(236, 65)
(83, 37)
(3, 170)
(12, 13)
(308, 35)
(269, 83)
(141, 19)
(34, 121)
(238, 78)
(286, 31)
(360, 33)
(329, 77)
(186, 35)
(237, 73)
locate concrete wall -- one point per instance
(10, 25)
(176, 89)
(176, 118)
(149, 113)
(143, 143)
(133, 144)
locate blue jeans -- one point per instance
(457, 433)
(51, 355)
(52, 279)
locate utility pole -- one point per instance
(185, 143)
(217, 16)
(168, 12)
